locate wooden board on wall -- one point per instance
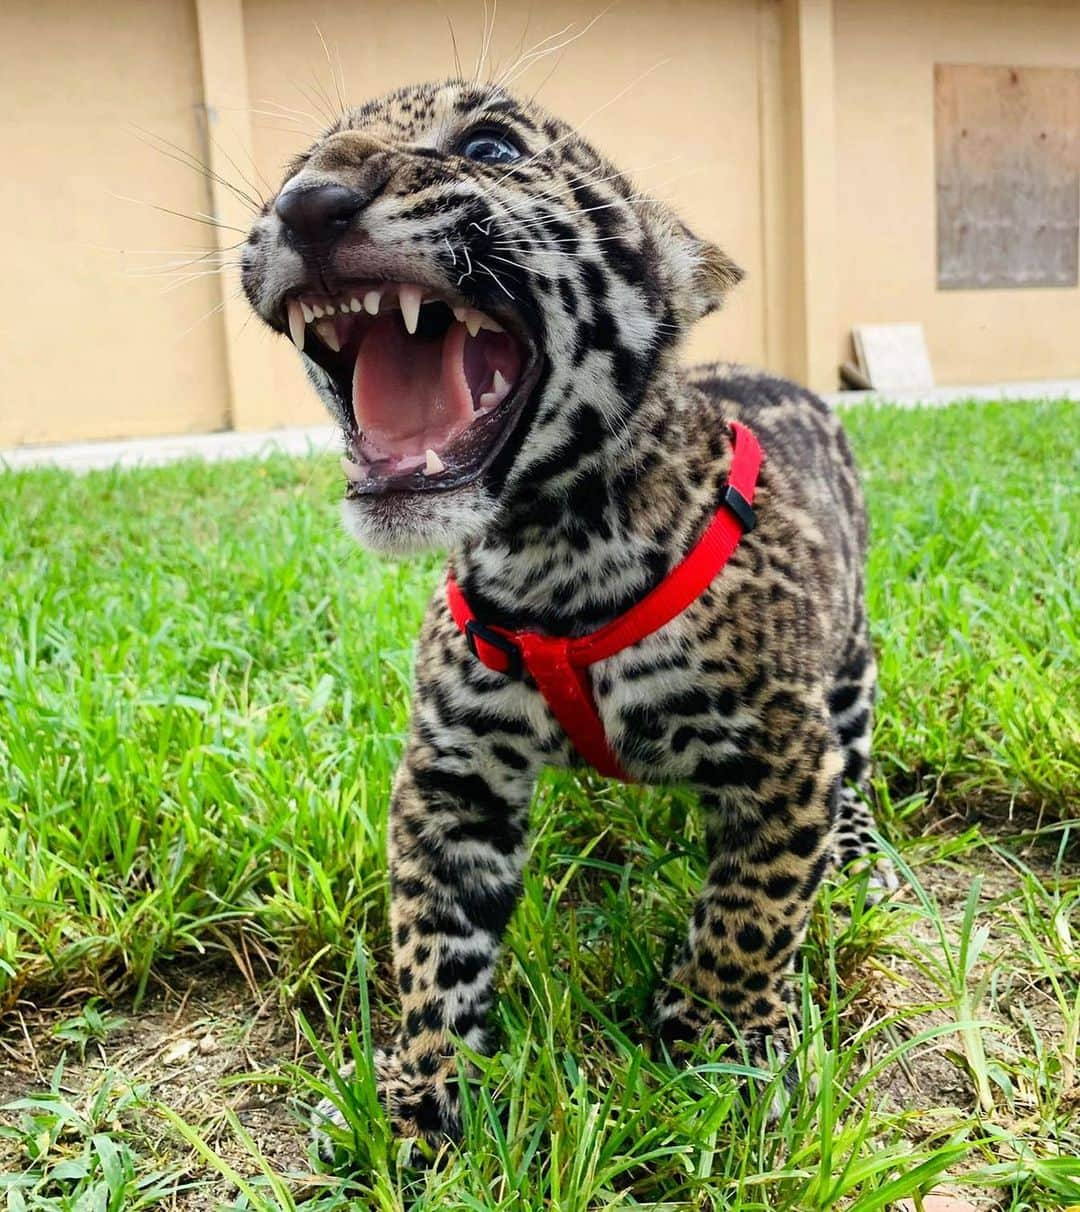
(1007, 144)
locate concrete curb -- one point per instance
(323, 439)
(1032, 389)
(154, 452)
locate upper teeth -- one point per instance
(296, 323)
(318, 310)
(409, 299)
(475, 320)
(326, 330)
(353, 471)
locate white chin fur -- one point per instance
(425, 522)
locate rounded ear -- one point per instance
(696, 273)
(717, 273)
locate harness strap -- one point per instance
(559, 665)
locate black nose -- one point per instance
(318, 214)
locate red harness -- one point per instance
(559, 665)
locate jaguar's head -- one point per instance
(479, 298)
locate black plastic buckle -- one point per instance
(514, 667)
(740, 507)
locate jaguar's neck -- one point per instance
(584, 541)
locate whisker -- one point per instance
(339, 88)
(529, 224)
(199, 217)
(586, 241)
(496, 84)
(206, 316)
(187, 281)
(564, 254)
(497, 280)
(453, 43)
(579, 179)
(320, 86)
(327, 116)
(189, 160)
(485, 42)
(181, 269)
(251, 185)
(468, 264)
(287, 110)
(543, 83)
(536, 54)
(532, 51)
(506, 261)
(204, 260)
(168, 252)
(575, 131)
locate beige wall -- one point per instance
(885, 54)
(90, 347)
(796, 133)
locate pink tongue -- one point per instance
(411, 394)
(399, 398)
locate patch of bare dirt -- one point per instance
(1010, 996)
(201, 1044)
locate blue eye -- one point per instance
(489, 147)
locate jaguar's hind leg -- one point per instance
(851, 708)
(769, 812)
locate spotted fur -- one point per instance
(759, 695)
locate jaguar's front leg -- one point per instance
(770, 810)
(456, 854)
(457, 830)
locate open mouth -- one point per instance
(432, 386)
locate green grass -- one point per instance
(203, 693)
(974, 596)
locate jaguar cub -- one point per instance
(493, 315)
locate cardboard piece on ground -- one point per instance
(893, 357)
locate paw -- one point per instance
(855, 849)
(687, 1027)
(420, 1100)
(328, 1119)
(882, 880)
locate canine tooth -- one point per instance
(499, 385)
(328, 334)
(432, 463)
(371, 302)
(353, 471)
(296, 324)
(409, 298)
(355, 304)
(309, 315)
(473, 322)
